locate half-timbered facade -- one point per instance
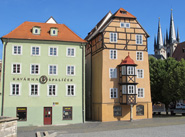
(117, 69)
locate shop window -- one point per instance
(140, 110)
(67, 113)
(117, 111)
(22, 113)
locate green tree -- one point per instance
(167, 80)
(157, 71)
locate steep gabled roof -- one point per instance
(123, 13)
(99, 25)
(102, 24)
(24, 31)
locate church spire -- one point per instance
(167, 40)
(172, 35)
(155, 43)
(159, 36)
(178, 37)
(164, 42)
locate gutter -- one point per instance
(44, 40)
(4, 56)
(83, 82)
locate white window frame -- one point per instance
(70, 52)
(139, 73)
(113, 40)
(56, 88)
(133, 89)
(139, 41)
(56, 51)
(11, 88)
(49, 69)
(34, 70)
(130, 69)
(35, 51)
(139, 93)
(52, 30)
(114, 73)
(124, 25)
(38, 30)
(113, 54)
(34, 91)
(16, 68)
(70, 70)
(17, 50)
(139, 56)
(113, 90)
(70, 91)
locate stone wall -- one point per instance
(8, 127)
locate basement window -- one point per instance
(22, 113)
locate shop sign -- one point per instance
(55, 103)
(43, 79)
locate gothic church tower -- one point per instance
(167, 48)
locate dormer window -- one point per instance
(53, 31)
(36, 30)
(123, 12)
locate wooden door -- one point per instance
(47, 115)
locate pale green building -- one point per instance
(43, 74)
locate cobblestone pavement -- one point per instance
(158, 127)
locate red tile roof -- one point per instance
(24, 31)
(123, 13)
(127, 61)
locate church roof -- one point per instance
(24, 31)
(157, 56)
(127, 61)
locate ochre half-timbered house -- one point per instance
(117, 69)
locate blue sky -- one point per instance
(82, 15)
